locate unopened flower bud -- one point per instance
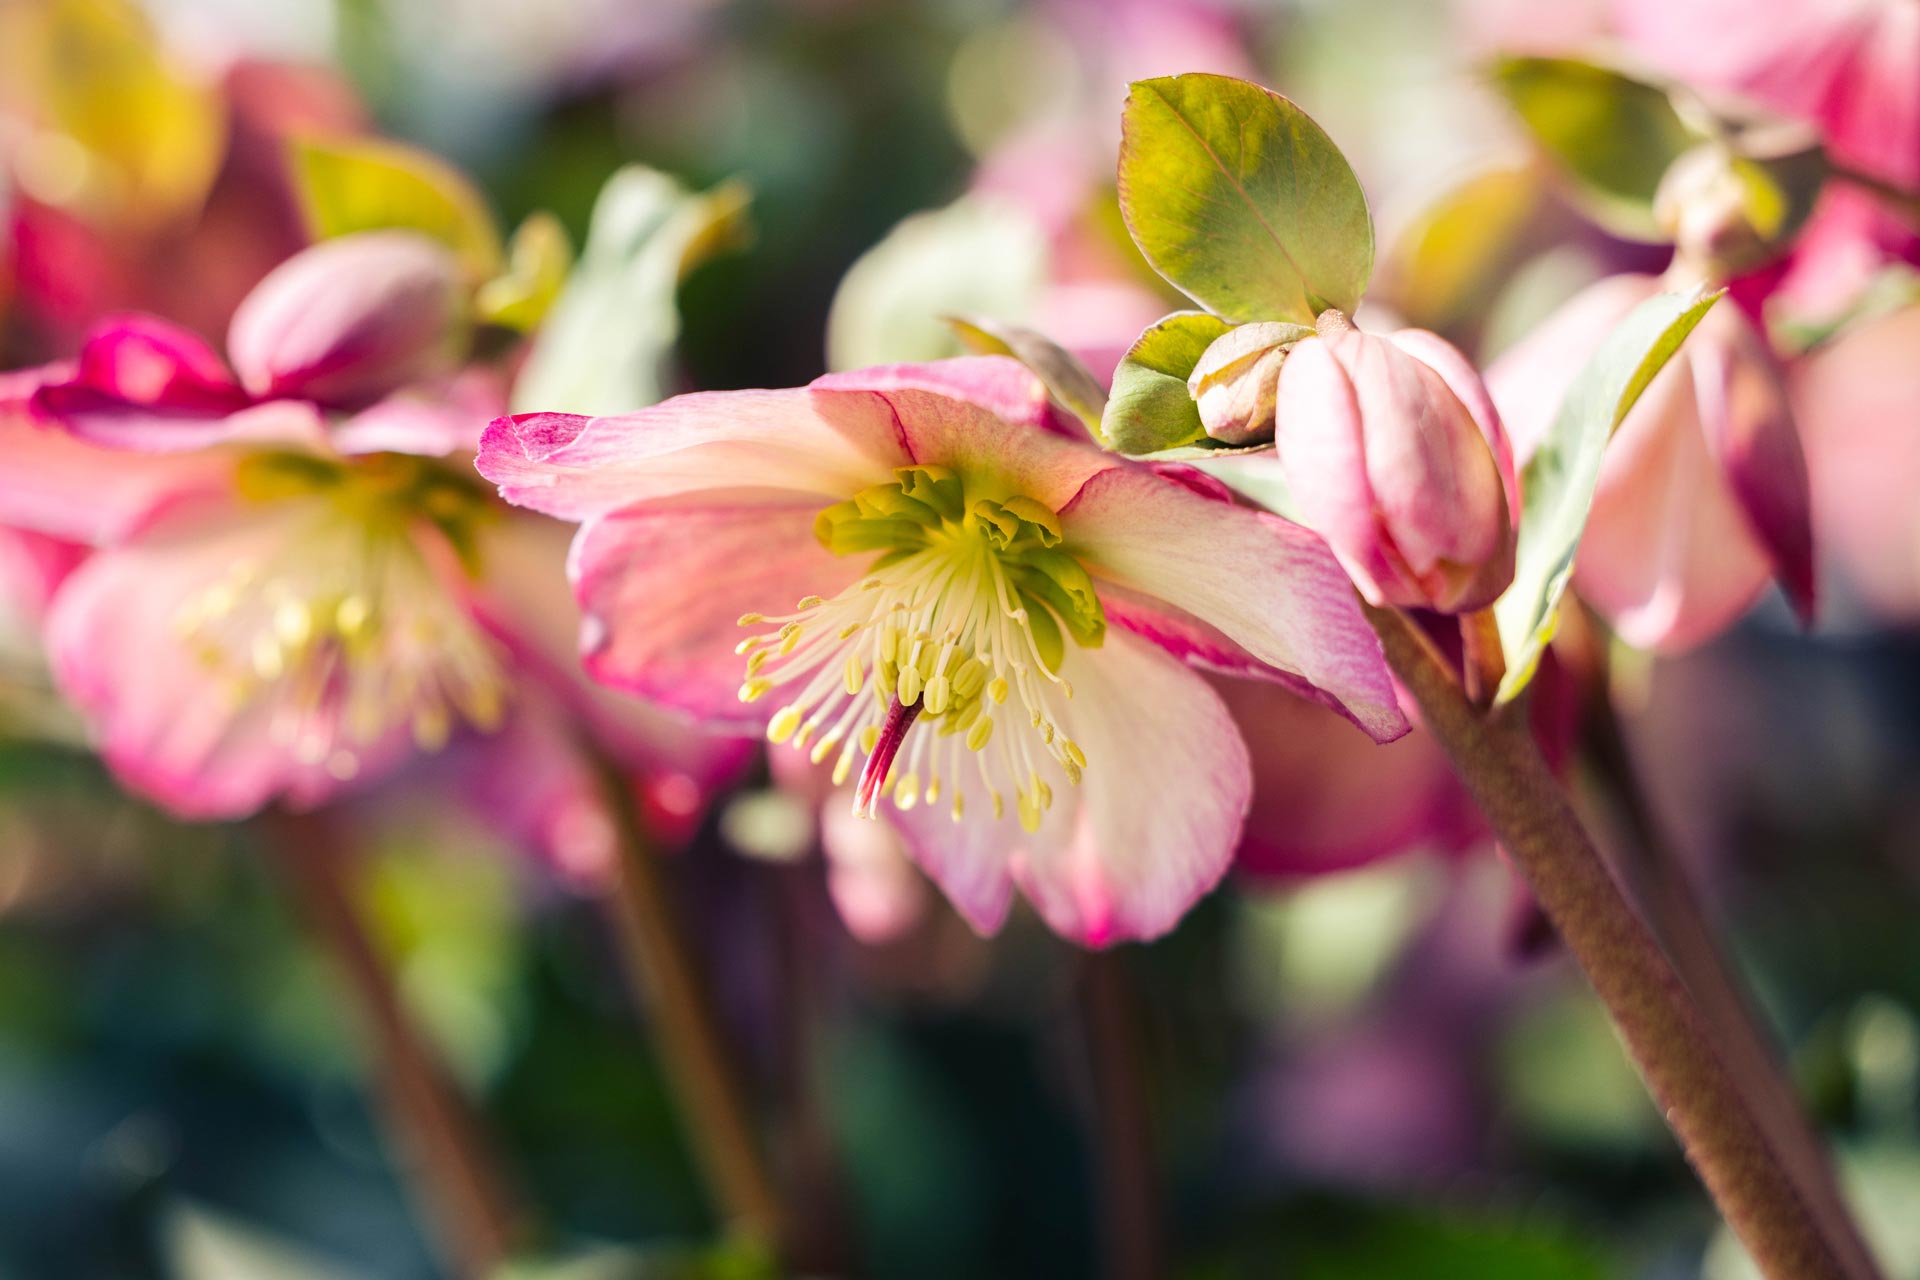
(1237, 380)
(347, 321)
(1394, 454)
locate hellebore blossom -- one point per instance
(1703, 493)
(279, 596)
(989, 624)
(1394, 454)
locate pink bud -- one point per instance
(1393, 453)
(349, 320)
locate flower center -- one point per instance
(961, 623)
(338, 622)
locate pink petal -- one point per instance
(1327, 799)
(1855, 400)
(664, 588)
(431, 420)
(149, 361)
(122, 425)
(984, 415)
(1465, 382)
(1265, 583)
(170, 727)
(1531, 378)
(1751, 433)
(1668, 555)
(879, 894)
(67, 488)
(750, 445)
(1154, 822)
(349, 320)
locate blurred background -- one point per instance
(1358, 1059)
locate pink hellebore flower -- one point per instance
(998, 619)
(1703, 494)
(1393, 452)
(278, 601)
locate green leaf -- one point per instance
(1612, 135)
(1241, 201)
(1150, 410)
(1560, 480)
(1068, 381)
(360, 185)
(537, 263)
(604, 346)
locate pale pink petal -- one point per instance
(122, 425)
(171, 727)
(350, 320)
(1154, 822)
(430, 420)
(67, 488)
(878, 892)
(777, 445)
(1265, 583)
(982, 415)
(1465, 382)
(1856, 401)
(1531, 378)
(1668, 555)
(664, 588)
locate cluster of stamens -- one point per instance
(957, 628)
(339, 626)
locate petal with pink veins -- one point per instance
(1265, 583)
(768, 446)
(664, 589)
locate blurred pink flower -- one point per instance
(1393, 451)
(950, 557)
(1850, 68)
(1703, 495)
(297, 582)
(1858, 402)
(1327, 799)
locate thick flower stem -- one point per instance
(701, 1070)
(1686, 1068)
(1648, 864)
(441, 1145)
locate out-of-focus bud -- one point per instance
(1237, 380)
(1394, 454)
(1730, 208)
(1703, 494)
(349, 320)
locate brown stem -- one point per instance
(1683, 1064)
(439, 1141)
(1124, 1146)
(1681, 921)
(700, 1069)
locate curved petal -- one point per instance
(776, 443)
(1751, 433)
(1159, 810)
(876, 889)
(123, 425)
(428, 421)
(149, 361)
(980, 416)
(1465, 382)
(66, 488)
(1668, 555)
(664, 588)
(1267, 584)
(171, 727)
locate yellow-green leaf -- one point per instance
(1242, 201)
(357, 184)
(1150, 410)
(537, 261)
